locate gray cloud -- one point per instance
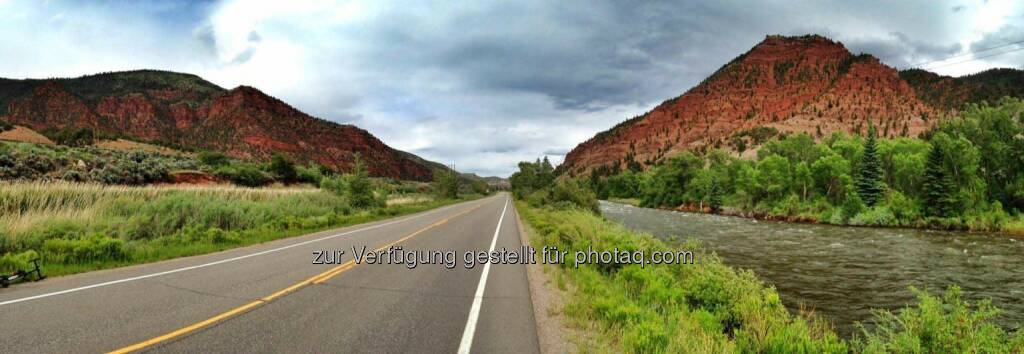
(901, 51)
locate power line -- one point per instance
(921, 64)
(978, 58)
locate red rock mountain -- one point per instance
(185, 110)
(786, 85)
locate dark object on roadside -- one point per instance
(22, 275)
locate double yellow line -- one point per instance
(316, 279)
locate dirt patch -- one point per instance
(128, 145)
(194, 177)
(548, 304)
(25, 135)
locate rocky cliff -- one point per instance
(783, 85)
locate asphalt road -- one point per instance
(272, 298)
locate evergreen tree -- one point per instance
(938, 187)
(869, 180)
(359, 187)
(715, 196)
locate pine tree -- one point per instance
(715, 196)
(938, 187)
(359, 187)
(869, 180)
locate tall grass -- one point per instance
(76, 227)
(708, 307)
(704, 307)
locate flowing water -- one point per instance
(844, 272)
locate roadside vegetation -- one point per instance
(709, 307)
(76, 227)
(968, 173)
(79, 207)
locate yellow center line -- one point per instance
(316, 279)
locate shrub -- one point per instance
(877, 216)
(446, 183)
(283, 169)
(5, 126)
(334, 185)
(74, 137)
(9, 263)
(95, 247)
(311, 174)
(73, 176)
(940, 325)
(571, 193)
(213, 159)
(243, 174)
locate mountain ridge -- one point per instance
(783, 85)
(181, 109)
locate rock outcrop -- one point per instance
(783, 85)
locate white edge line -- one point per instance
(119, 281)
(478, 299)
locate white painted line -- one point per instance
(478, 299)
(178, 270)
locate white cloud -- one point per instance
(480, 85)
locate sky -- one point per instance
(483, 84)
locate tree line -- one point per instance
(966, 173)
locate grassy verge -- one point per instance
(703, 307)
(76, 227)
(708, 307)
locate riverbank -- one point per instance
(703, 307)
(76, 227)
(711, 307)
(817, 266)
(1013, 227)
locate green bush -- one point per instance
(243, 174)
(311, 174)
(283, 169)
(446, 183)
(213, 159)
(9, 263)
(940, 325)
(93, 248)
(73, 136)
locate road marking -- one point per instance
(178, 270)
(316, 279)
(478, 299)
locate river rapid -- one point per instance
(844, 272)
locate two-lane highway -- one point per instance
(272, 298)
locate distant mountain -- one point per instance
(498, 182)
(952, 93)
(184, 110)
(786, 85)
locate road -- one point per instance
(272, 298)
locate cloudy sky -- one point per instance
(483, 84)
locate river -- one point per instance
(844, 272)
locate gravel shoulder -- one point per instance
(548, 303)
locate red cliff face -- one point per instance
(187, 111)
(792, 84)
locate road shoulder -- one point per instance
(548, 302)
